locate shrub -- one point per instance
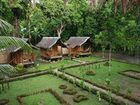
(107, 80)
(4, 101)
(98, 95)
(63, 86)
(90, 72)
(36, 65)
(70, 91)
(20, 68)
(82, 84)
(129, 92)
(62, 66)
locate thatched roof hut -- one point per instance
(18, 55)
(79, 46)
(50, 47)
(15, 55)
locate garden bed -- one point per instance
(62, 101)
(36, 84)
(4, 101)
(119, 84)
(131, 73)
(134, 99)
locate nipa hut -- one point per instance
(79, 46)
(51, 47)
(18, 55)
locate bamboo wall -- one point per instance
(4, 57)
(52, 52)
(22, 57)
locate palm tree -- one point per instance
(6, 42)
(5, 26)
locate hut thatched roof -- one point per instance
(48, 42)
(14, 49)
(77, 41)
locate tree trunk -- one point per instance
(124, 5)
(29, 22)
(60, 30)
(17, 27)
(115, 6)
(29, 30)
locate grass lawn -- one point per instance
(46, 98)
(44, 82)
(54, 64)
(126, 83)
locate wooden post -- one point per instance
(61, 51)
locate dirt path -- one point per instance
(116, 98)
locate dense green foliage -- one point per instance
(77, 18)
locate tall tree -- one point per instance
(59, 15)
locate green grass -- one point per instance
(116, 79)
(45, 82)
(45, 98)
(54, 64)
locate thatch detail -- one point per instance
(48, 42)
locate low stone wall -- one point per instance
(28, 75)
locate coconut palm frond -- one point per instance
(7, 42)
(6, 70)
(5, 26)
